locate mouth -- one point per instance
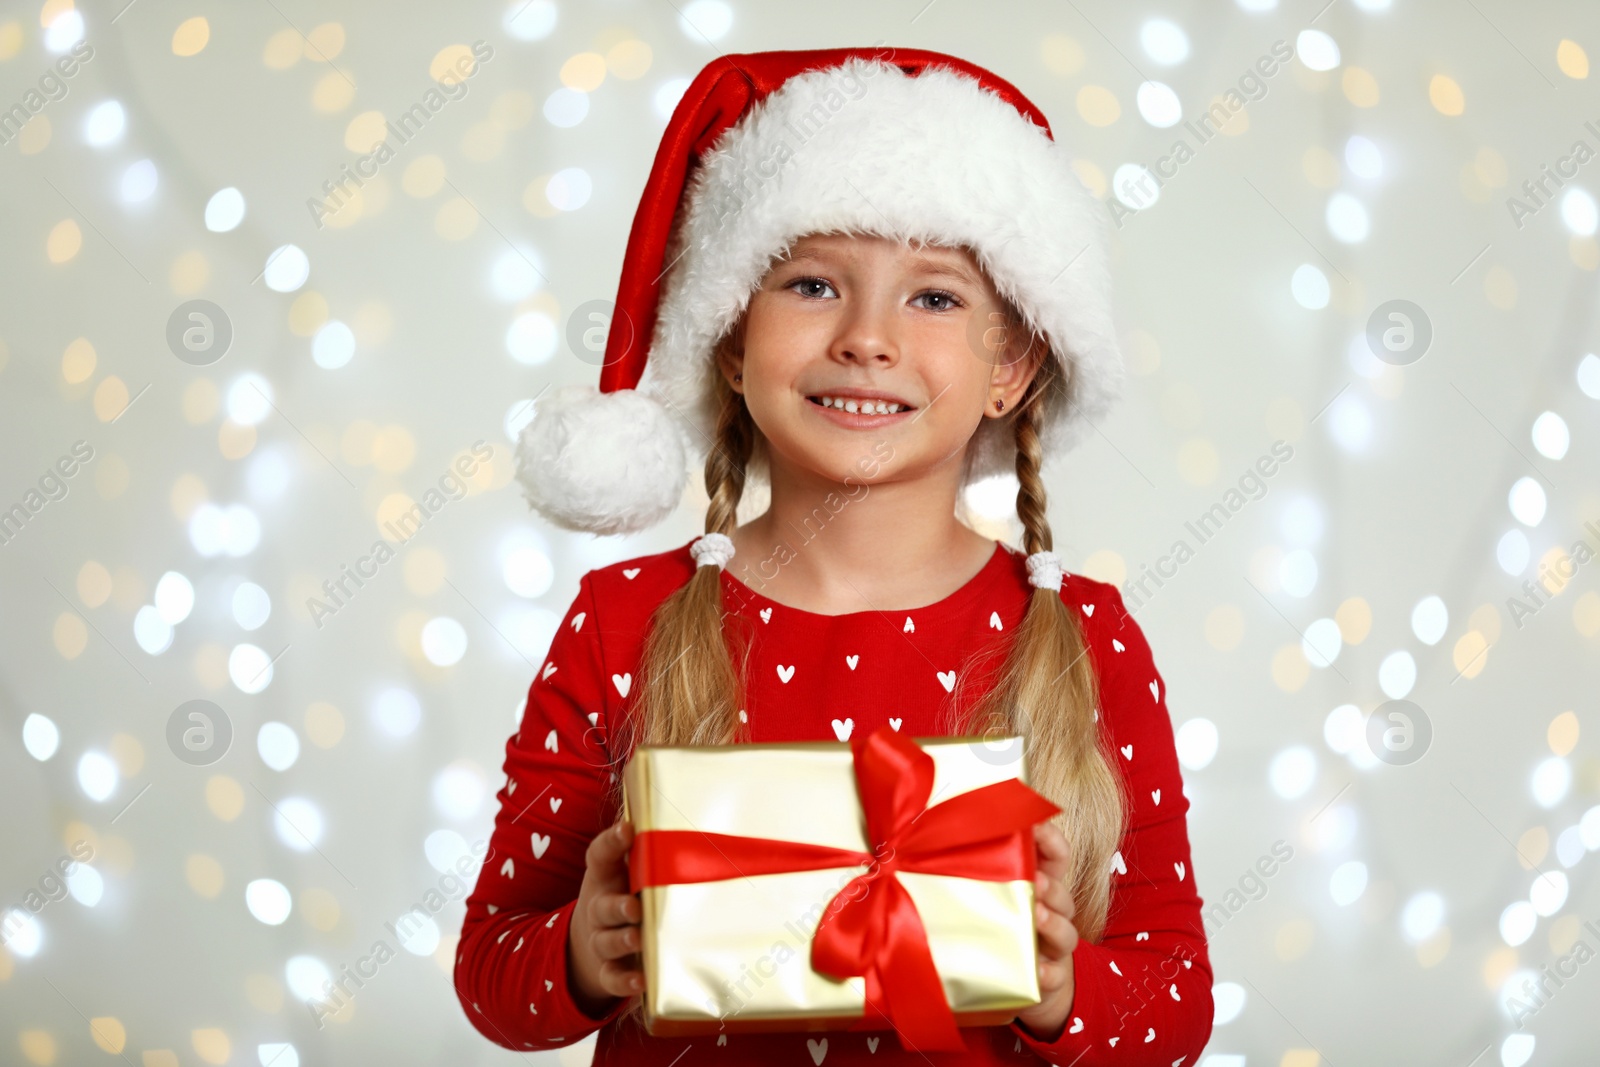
(858, 413)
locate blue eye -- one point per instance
(940, 294)
(808, 280)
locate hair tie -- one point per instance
(1044, 570)
(712, 548)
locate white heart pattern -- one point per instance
(508, 869)
(785, 673)
(852, 661)
(1077, 1025)
(1118, 645)
(555, 803)
(1127, 751)
(722, 1039)
(550, 741)
(872, 1044)
(623, 682)
(540, 843)
(895, 723)
(1181, 869)
(841, 730)
(577, 621)
(818, 1049)
(631, 573)
(1173, 989)
(1115, 969)
(594, 718)
(548, 668)
(742, 716)
(994, 620)
(1142, 935)
(1150, 1035)
(910, 627)
(1155, 795)
(1088, 609)
(1155, 691)
(766, 614)
(1118, 864)
(948, 680)
(548, 985)
(1113, 1042)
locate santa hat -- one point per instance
(767, 147)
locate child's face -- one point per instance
(863, 313)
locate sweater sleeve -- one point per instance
(511, 967)
(1142, 993)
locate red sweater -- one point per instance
(1143, 992)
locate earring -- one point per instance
(999, 404)
(738, 377)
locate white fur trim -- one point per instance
(604, 463)
(931, 157)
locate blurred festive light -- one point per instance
(1164, 41)
(298, 823)
(333, 346)
(1548, 893)
(1397, 674)
(250, 668)
(249, 399)
(419, 934)
(234, 530)
(1358, 353)
(514, 276)
(994, 497)
(24, 936)
(277, 1055)
(40, 737)
(1322, 642)
(1373, 5)
(85, 885)
(1350, 423)
(1516, 1050)
(1515, 989)
(174, 598)
(1527, 501)
(1551, 780)
(1196, 742)
(278, 745)
(1316, 50)
(1310, 287)
(1347, 219)
(532, 338)
(565, 107)
(1512, 552)
(1422, 916)
(530, 20)
(1589, 829)
(225, 210)
(1335, 828)
(1578, 211)
(1297, 573)
(251, 606)
(268, 901)
(1349, 881)
(1159, 105)
(1133, 185)
(97, 775)
(138, 182)
(64, 31)
(1254, 6)
(287, 269)
(529, 628)
(705, 21)
(268, 474)
(444, 641)
(444, 848)
(1570, 848)
(1550, 435)
(153, 633)
(396, 712)
(1429, 620)
(1343, 728)
(1227, 1001)
(105, 124)
(528, 572)
(1589, 375)
(569, 188)
(1292, 771)
(1363, 158)
(305, 977)
(665, 99)
(1301, 521)
(1517, 923)
(458, 790)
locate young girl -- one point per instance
(911, 297)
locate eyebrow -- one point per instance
(922, 264)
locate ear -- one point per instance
(1017, 363)
(729, 355)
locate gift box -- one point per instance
(883, 883)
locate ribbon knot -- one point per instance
(871, 927)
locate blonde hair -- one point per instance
(1046, 689)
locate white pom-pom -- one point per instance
(602, 463)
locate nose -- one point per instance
(868, 333)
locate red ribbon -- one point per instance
(871, 927)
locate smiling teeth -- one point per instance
(860, 407)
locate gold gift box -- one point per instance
(734, 956)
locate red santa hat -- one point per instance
(767, 147)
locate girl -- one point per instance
(912, 314)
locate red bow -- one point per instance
(871, 927)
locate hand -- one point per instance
(603, 938)
(1053, 912)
